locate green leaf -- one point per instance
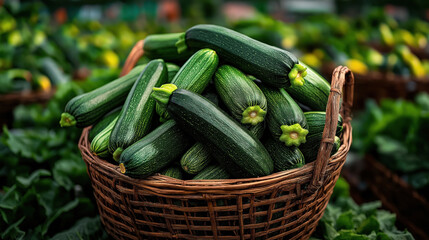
(69, 206)
(86, 228)
(10, 200)
(35, 176)
(13, 231)
(386, 219)
(350, 235)
(345, 220)
(370, 208)
(369, 225)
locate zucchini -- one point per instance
(174, 172)
(241, 96)
(316, 124)
(154, 151)
(285, 119)
(102, 124)
(51, 69)
(164, 46)
(172, 70)
(229, 143)
(337, 145)
(212, 172)
(195, 159)
(314, 93)
(257, 130)
(100, 143)
(274, 66)
(194, 75)
(136, 115)
(284, 157)
(86, 109)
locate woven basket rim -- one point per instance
(163, 181)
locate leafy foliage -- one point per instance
(396, 133)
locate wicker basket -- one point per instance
(285, 205)
(410, 207)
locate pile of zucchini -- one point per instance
(235, 108)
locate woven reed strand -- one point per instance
(283, 205)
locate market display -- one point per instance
(205, 119)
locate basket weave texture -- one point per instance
(283, 205)
(9, 101)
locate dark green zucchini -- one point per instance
(172, 70)
(337, 145)
(257, 130)
(164, 46)
(316, 124)
(212, 172)
(229, 143)
(53, 71)
(284, 157)
(314, 93)
(241, 96)
(173, 171)
(195, 159)
(274, 66)
(100, 143)
(285, 119)
(154, 151)
(102, 124)
(136, 115)
(194, 75)
(86, 109)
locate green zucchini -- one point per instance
(174, 172)
(154, 151)
(314, 93)
(86, 109)
(136, 115)
(337, 145)
(53, 71)
(229, 143)
(100, 143)
(257, 130)
(285, 119)
(172, 70)
(316, 124)
(274, 66)
(241, 96)
(212, 172)
(164, 46)
(102, 124)
(195, 159)
(194, 75)
(284, 157)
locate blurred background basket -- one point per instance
(286, 204)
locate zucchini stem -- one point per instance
(181, 43)
(293, 135)
(297, 74)
(67, 120)
(117, 154)
(162, 94)
(253, 115)
(122, 167)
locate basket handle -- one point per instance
(342, 83)
(134, 56)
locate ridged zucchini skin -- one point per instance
(229, 143)
(284, 157)
(241, 96)
(194, 75)
(136, 115)
(164, 46)
(154, 151)
(314, 93)
(86, 109)
(316, 124)
(212, 172)
(172, 70)
(100, 143)
(196, 159)
(270, 64)
(102, 124)
(257, 130)
(174, 172)
(285, 119)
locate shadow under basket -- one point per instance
(285, 204)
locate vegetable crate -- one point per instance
(285, 204)
(379, 85)
(9, 101)
(398, 196)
